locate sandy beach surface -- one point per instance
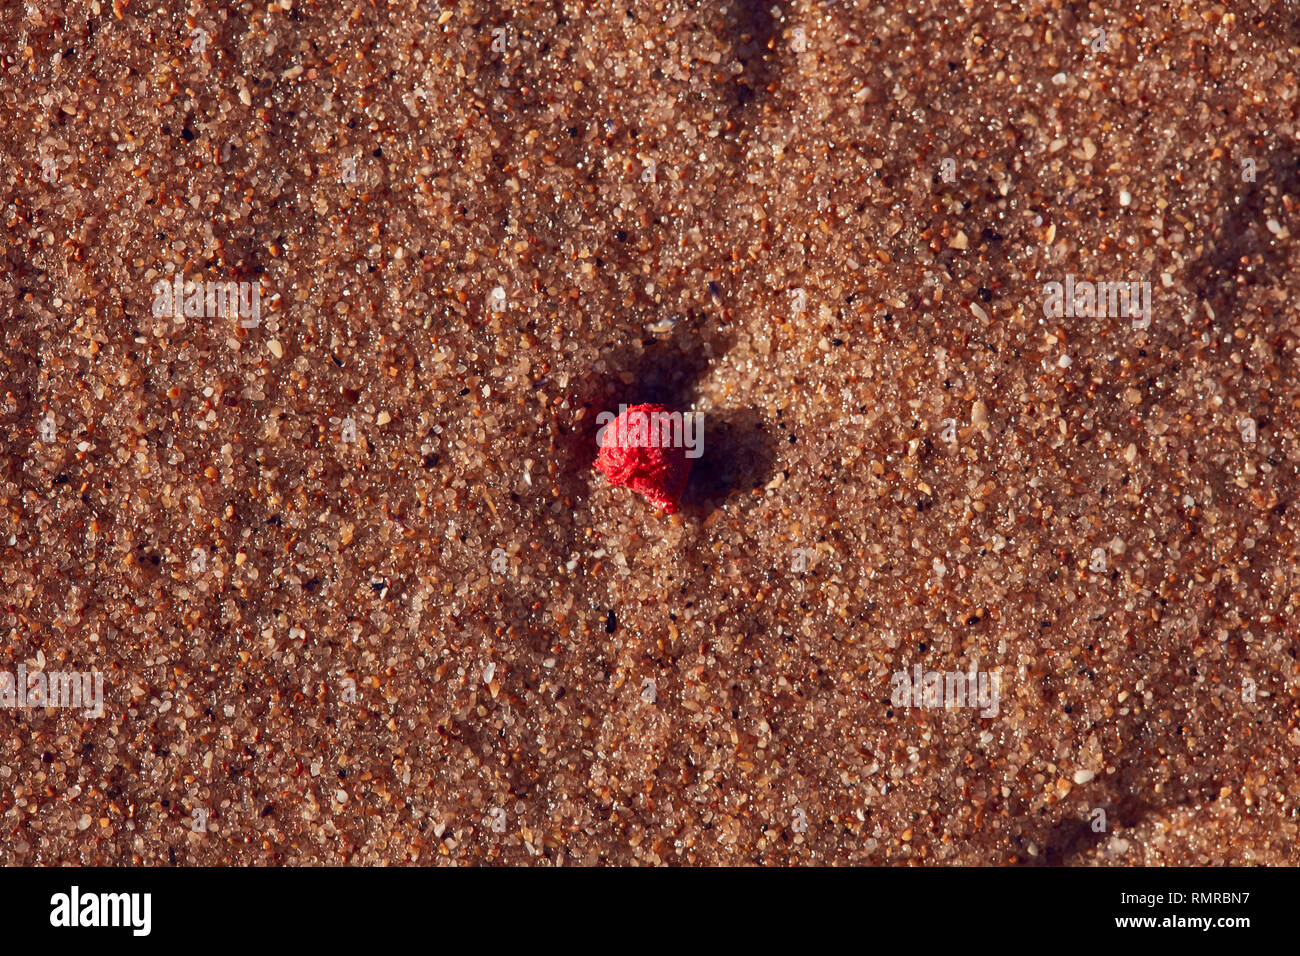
(326, 527)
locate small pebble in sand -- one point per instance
(636, 452)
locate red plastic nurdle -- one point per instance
(633, 455)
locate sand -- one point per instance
(356, 594)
